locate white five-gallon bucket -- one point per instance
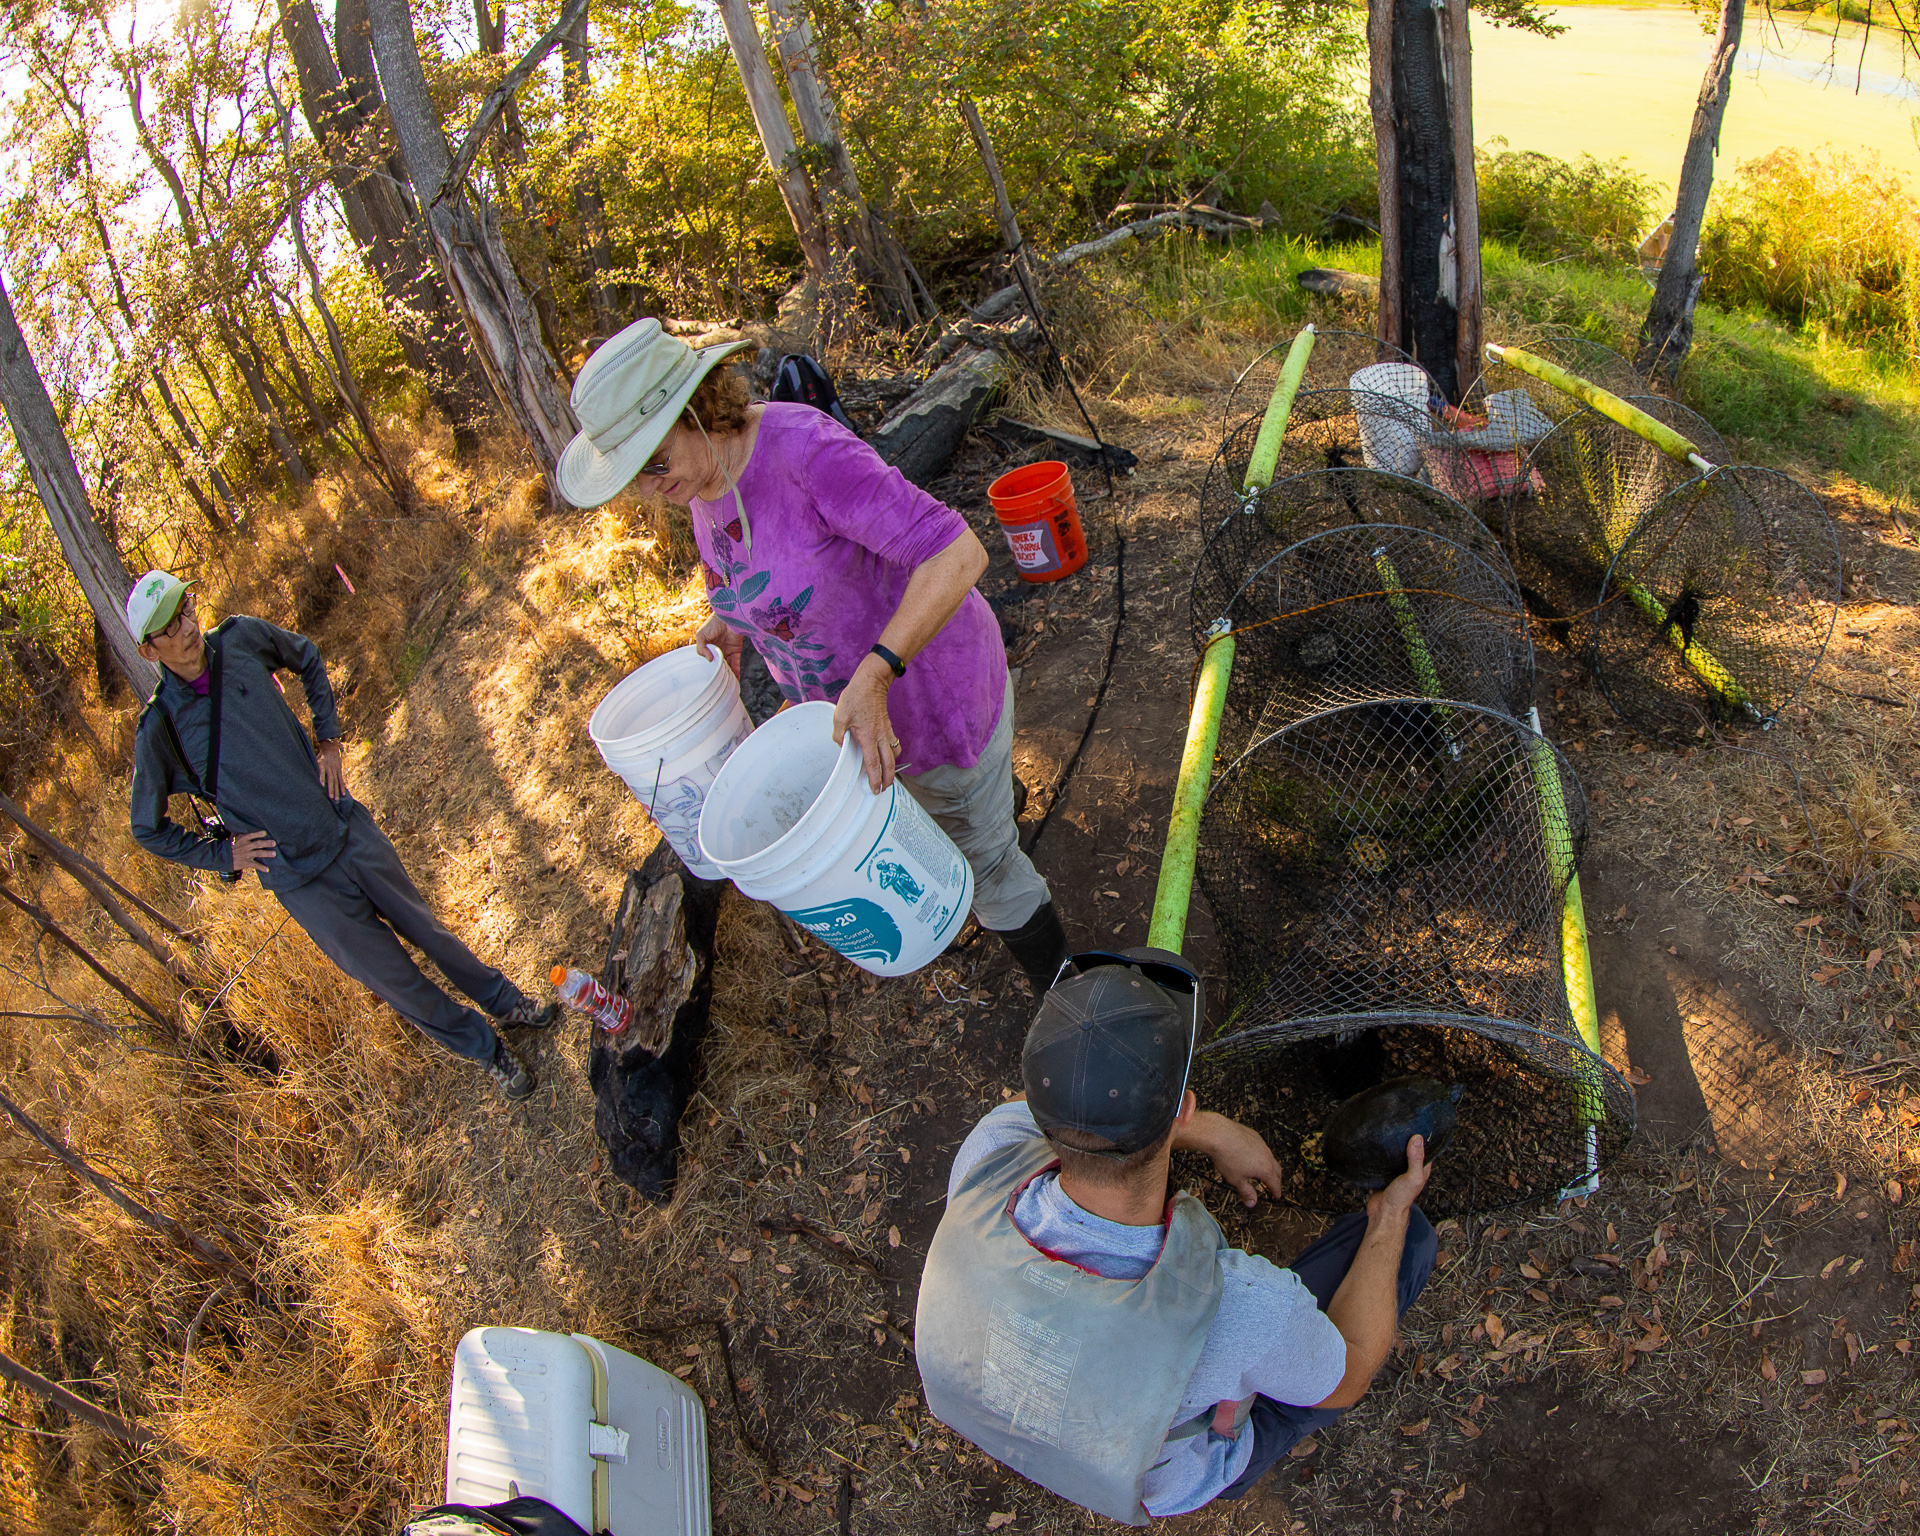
(791, 821)
(667, 729)
(1390, 408)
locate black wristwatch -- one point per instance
(899, 666)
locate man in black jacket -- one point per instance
(219, 728)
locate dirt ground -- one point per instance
(1721, 1340)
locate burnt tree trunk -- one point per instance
(1667, 335)
(660, 958)
(1423, 143)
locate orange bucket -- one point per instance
(1037, 514)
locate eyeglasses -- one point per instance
(1174, 978)
(656, 466)
(172, 627)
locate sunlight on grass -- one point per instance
(1807, 403)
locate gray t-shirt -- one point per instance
(1269, 1336)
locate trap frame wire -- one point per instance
(1749, 559)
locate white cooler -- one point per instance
(616, 1443)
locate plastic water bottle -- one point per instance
(582, 993)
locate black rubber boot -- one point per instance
(1040, 945)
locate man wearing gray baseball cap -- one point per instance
(1102, 1339)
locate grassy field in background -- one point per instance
(1803, 403)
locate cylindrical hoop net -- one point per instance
(1589, 483)
(1386, 883)
(1290, 510)
(1355, 615)
(1720, 605)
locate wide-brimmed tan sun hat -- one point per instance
(627, 398)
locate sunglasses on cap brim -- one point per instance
(1174, 978)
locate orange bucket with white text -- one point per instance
(1037, 513)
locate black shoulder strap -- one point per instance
(212, 777)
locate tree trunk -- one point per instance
(880, 256)
(1667, 335)
(501, 324)
(43, 446)
(770, 117)
(1386, 150)
(1423, 136)
(920, 436)
(609, 302)
(341, 103)
(1466, 197)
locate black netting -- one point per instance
(1336, 357)
(1354, 615)
(1253, 531)
(1386, 883)
(1720, 604)
(1588, 485)
(1538, 1112)
(1400, 857)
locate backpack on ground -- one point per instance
(801, 379)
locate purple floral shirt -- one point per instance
(837, 533)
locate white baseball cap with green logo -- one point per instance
(153, 602)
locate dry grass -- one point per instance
(390, 1201)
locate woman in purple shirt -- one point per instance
(853, 584)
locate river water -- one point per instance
(1622, 82)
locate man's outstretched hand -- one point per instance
(1397, 1199)
(1239, 1154)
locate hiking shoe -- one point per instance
(510, 1075)
(527, 1014)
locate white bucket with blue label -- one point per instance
(666, 729)
(791, 821)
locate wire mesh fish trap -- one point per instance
(1259, 527)
(1330, 429)
(1386, 882)
(1721, 603)
(1537, 1112)
(1336, 357)
(1354, 615)
(1589, 483)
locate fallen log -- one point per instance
(1083, 450)
(1332, 282)
(660, 958)
(924, 430)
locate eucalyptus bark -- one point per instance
(846, 206)
(90, 553)
(608, 301)
(341, 103)
(776, 137)
(473, 260)
(1667, 335)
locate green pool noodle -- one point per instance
(1607, 404)
(1273, 426)
(1590, 1104)
(1168, 928)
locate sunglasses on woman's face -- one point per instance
(657, 465)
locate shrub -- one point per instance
(1828, 241)
(1546, 207)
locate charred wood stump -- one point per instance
(660, 958)
(922, 434)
